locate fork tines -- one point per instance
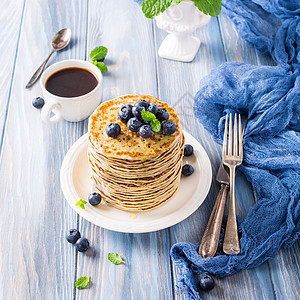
(234, 147)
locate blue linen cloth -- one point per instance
(270, 96)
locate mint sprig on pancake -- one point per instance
(131, 172)
(150, 117)
(155, 125)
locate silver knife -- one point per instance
(210, 239)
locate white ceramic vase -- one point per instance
(180, 21)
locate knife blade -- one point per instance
(210, 239)
(222, 175)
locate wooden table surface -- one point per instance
(36, 261)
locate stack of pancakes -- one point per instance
(132, 173)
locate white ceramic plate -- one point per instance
(76, 183)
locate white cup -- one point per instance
(72, 109)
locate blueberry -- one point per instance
(125, 113)
(162, 114)
(152, 108)
(113, 130)
(187, 170)
(137, 111)
(145, 131)
(82, 244)
(142, 103)
(134, 124)
(188, 150)
(100, 60)
(94, 198)
(38, 102)
(168, 127)
(72, 236)
(207, 283)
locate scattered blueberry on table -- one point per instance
(38, 102)
(188, 150)
(206, 282)
(187, 170)
(72, 236)
(113, 130)
(94, 198)
(82, 244)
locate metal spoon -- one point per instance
(59, 41)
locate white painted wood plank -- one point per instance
(122, 28)
(182, 80)
(36, 261)
(10, 26)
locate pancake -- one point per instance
(130, 172)
(128, 145)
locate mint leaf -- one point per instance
(209, 7)
(147, 115)
(101, 65)
(155, 125)
(98, 53)
(81, 203)
(115, 258)
(152, 8)
(82, 282)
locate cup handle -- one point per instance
(46, 111)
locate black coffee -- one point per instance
(71, 82)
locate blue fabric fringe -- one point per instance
(270, 97)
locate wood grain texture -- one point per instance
(181, 95)
(278, 267)
(119, 25)
(38, 262)
(284, 269)
(11, 19)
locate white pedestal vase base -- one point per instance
(179, 47)
(180, 21)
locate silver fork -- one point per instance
(232, 156)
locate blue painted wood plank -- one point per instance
(123, 29)
(36, 260)
(285, 273)
(281, 267)
(237, 49)
(11, 17)
(182, 80)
